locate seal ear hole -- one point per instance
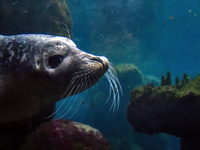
(55, 60)
(38, 62)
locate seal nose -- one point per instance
(103, 60)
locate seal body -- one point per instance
(37, 70)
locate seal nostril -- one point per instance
(97, 59)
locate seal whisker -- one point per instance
(116, 91)
(110, 90)
(82, 87)
(75, 110)
(63, 111)
(64, 100)
(89, 80)
(74, 99)
(71, 83)
(79, 102)
(115, 76)
(112, 69)
(66, 28)
(113, 106)
(76, 86)
(112, 78)
(113, 73)
(86, 86)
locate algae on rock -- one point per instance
(27, 16)
(167, 109)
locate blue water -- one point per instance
(156, 36)
(162, 43)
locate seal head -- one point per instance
(38, 70)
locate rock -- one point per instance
(167, 80)
(27, 16)
(129, 75)
(65, 135)
(167, 109)
(191, 142)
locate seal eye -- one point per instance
(55, 60)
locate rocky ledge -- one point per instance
(170, 109)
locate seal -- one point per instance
(37, 70)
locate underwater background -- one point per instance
(155, 36)
(142, 39)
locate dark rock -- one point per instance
(167, 109)
(185, 79)
(163, 81)
(28, 16)
(65, 135)
(167, 80)
(191, 142)
(177, 83)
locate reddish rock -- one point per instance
(65, 135)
